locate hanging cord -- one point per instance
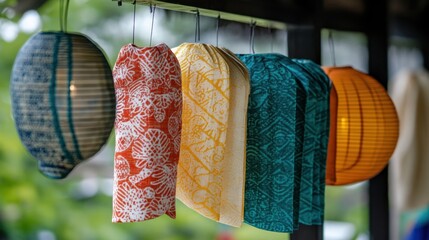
(252, 38)
(286, 44)
(61, 15)
(64, 9)
(197, 26)
(332, 47)
(270, 32)
(134, 21)
(66, 14)
(152, 11)
(217, 30)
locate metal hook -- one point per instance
(286, 43)
(217, 30)
(134, 21)
(152, 10)
(252, 37)
(332, 47)
(197, 26)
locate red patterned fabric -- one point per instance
(148, 126)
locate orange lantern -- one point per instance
(364, 127)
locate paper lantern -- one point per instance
(364, 127)
(63, 100)
(275, 134)
(148, 132)
(212, 157)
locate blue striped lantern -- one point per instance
(63, 100)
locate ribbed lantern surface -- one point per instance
(364, 127)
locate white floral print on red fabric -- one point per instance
(148, 131)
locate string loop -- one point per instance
(197, 26)
(134, 21)
(252, 37)
(217, 30)
(152, 11)
(64, 9)
(332, 47)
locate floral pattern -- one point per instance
(148, 130)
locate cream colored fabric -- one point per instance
(409, 168)
(212, 156)
(233, 176)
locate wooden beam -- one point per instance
(268, 13)
(377, 33)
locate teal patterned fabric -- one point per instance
(321, 83)
(287, 139)
(275, 134)
(310, 134)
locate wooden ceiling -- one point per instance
(407, 17)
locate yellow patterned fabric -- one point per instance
(211, 165)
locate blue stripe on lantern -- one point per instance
(52, 93)
(69, 98)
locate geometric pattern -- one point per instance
(315, 141)
(275, 131)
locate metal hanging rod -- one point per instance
(211, 13)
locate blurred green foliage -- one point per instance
(35, 207)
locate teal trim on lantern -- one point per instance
(69, 98)
(52, 96)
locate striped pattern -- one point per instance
(63, 100)
(364, 127)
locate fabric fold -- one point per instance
(410, 162)
(321, 83)
(233, 176)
